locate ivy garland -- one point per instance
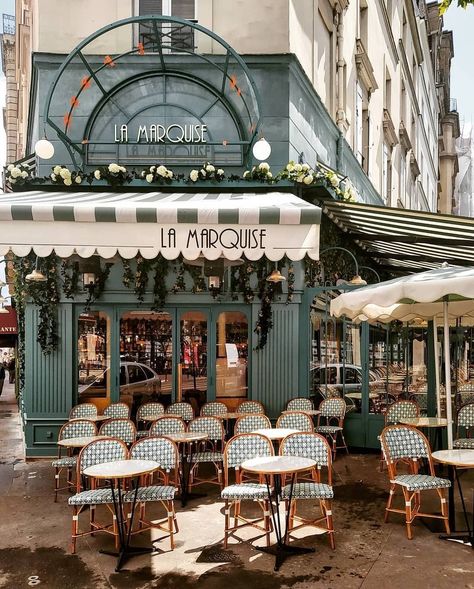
(180, 284)
(96, 290)
(70, 278)
(290, 284)
(128, 275)
(159, 285)
(266, 293)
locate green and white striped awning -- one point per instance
(232, 225)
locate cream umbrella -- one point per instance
(446, 292)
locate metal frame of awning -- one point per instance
(405, 239)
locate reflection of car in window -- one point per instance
(348, 376)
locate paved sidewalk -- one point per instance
(34, 538)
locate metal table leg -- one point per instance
(466, 536)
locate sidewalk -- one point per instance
(34, 538)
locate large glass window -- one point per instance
(193, 358)
(231, 355)
(93, 355)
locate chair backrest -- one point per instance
(160, 450)
(184, 410)
(300, 404)
(149, 409)
(117, 410)
(335, 407)
(83, 410)
(208, 425)
(465, 416)
(99, 451)
(308, 445)
(119, 427)
(213, 408)
(77, 429)
(251, 407)
(296, 420)
(400, 410)
(402, 442)
(167, 425)
(249, 423)
(244, 447)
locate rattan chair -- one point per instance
(296, 420)
(300, 404)
(97, 452)
(397, 411)
(165, 453)
(251, 407)
(402, 443)
(147, 410)
(121, 428)
(249, 423)
(210, 451)
(316, 447)
(184, 410)
(83, 411)
(71, 429)
(238, 449)
(117, 410)
(167, 425)
(465, 420)
(332, 410)
(213, 409)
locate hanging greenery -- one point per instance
(266, 293)
(290, 284)
(96, 289)
(70, 278)
(141, 277)
(180, 284)
(159, 283)
(128, 276)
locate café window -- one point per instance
(93, 356)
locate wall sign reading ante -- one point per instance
(156, 133)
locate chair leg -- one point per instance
(236, 513)
(92, 518)
(389, 502)
(266, 519)
(408, 513)
(226, 522)
(344, 442)
(75, 529)
(444, 509)
(171, 521)
(327, 510)
(56, 484)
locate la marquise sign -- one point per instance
(157, 133)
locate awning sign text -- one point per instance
(157, 133)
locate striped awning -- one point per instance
(232, 225)
(403, 238)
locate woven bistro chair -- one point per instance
(300, 404)
(465, 420)
(213, 409)
(167, 425)
(83, 411)
(184, 410)
(249, 423)
(165, 453)
(403, 443)
(238, 449)
(316, 447)
(121, 428)
(71, 429)
(332, 410)
(144, 411)
(397, 411)
(117, 410)
(211, 450)
(97, 452)
(296, 420)
(251, 407)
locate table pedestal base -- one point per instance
(125, 553)
(283, 551)
(464, 537)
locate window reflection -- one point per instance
(93, 348)
(193, 358)
(231, 355)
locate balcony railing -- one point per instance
(8, 24)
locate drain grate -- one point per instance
(217, 554)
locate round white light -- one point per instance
(262, 149)
(44, 149)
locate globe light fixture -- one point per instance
(36, 276)
(275, 277)
(261, 149)
(44, 149)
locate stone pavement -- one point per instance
(34, 538)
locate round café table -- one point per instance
(276, 434)
(79, 442)
(94, 418)
(276, 466)
(457, 459)
(117, 473)
(310, 412)
(185, 442)
(428, 422)
(232, 416)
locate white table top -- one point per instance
(235, 415)
(306, 411)
(456, 457)
(156, 416)
(186, 437)
(425, 421)
(276, 433)
(94, 418)
(278, 464)
(80, 441)
(358, 396)
(121, 469)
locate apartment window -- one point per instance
(404, 30)
(403, 101)
(402, 188)
(364, 23)
(180, 39)
(180, 8)
(388, 91)
(386, 173)
(358, 139)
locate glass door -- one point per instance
(192, 385)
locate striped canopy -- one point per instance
(231, 225)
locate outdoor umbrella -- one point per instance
(446, 292)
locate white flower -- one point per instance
(78, 179)
(57, 170)
(149, 178)
(24, 174)
(12, 181)
(210, 168)
(122, 169)
(53, 177)
(246, 174)
(290, 167)
(263, 167)
(304, 167)
(308, 179)
(67, 181)
(152, 168)
(97, 174)
(203, 173)
(298, 168)
(65, 174)
(114, 168)
(269, 175)
(15, 173)
(220, 172)
(193, 175)
(10, 167)
(334, 180)
(300, 178)
(169, 174)
(143, 174)
(162, 171)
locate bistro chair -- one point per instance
(184, 410)
(403, 443)
(212, 450)
(97, 452)
(421, 399)
(397, 411)
(165, 453)
(213, 409)
(249, 423)
(465, 420)
(296, 420)
(117, 410)
(83, 411)
(251, 407)
(71, 429)
(144, 411)
(332, 410)
(167, 425)
(316, 447)
(300, 404)
(121, 428)
(238, 449)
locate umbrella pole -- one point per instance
(447, 372)
(436, 364)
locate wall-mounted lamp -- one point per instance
(44, 149)
(214, 282)
(356, 280)
(88, 279)
(261, 149)
(276, 276)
